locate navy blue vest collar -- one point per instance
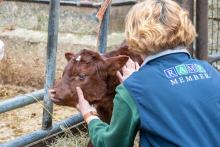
(178, 49)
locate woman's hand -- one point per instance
(83, 106)
(52, 93)
(127, 70)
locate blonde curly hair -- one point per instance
(152, 26)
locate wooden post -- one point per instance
(202, 29)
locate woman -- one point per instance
(173, 99)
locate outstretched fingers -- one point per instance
(83, 106)
(137, 66)
(119, 75)
(130, 64)
(79, 93)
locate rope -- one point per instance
(100, 15)
(102, 9)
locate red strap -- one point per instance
(102, 10)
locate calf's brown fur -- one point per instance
(96, 75)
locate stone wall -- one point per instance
(23, 29)
(73, 19)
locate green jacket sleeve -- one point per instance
(123, 126)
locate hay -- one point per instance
(26, 119)
(8, 91)
(80, 139)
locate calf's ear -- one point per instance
(116, 63)
(69, 55)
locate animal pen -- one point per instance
(204, 14)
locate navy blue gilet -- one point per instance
(178, 99)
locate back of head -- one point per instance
(152, 26)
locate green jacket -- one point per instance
(123, 126)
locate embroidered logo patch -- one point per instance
(186, 73)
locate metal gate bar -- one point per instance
(51, 62)
(20, 101)
(81, 3)
(40, 134)
(214, 58)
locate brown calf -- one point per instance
(96, 75)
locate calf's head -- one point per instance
(90, 71)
